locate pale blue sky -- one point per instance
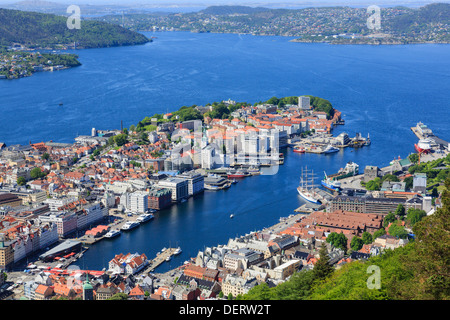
(237, 2)
(262, 3)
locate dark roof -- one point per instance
(201, 284)
(359, 255)
(300, 255)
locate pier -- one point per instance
(160, 258)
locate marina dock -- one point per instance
(160, 258)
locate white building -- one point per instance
(138, 201)
(304, 102)
(178, 186)
(195, 182)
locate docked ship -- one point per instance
(237, 174)
(130, 225)
(112, 233)
(299, 149)
(306, 187)
(330, 183)
(423, 146)
(330, 149)
(351, 169)
(144, 217)
(177, 251)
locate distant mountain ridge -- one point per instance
(38, 30)
(225, 10)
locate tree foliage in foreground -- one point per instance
(418, 271)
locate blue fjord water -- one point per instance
(381, 91)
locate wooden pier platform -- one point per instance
(159, 259)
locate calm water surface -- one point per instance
(381, 90)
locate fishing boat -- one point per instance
(330, 183)
(299, 149)
(237, 174)
(306, 187)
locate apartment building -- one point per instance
(179, 188)
(195, 182)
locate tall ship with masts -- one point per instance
(306, 187)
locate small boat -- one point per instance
(60, 104)
(330, 149)
(231, 216)
(144, 217)
(168, 258)
(152, 210)
(111, 234)
(130, 225)
(177, 250)
(163, 249)
(234, 181)
(299, 149)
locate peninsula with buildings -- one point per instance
(331, 24)
(57, 199)
(19, 64)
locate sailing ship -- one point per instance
(306, 187)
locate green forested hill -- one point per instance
(45, 30)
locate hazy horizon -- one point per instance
(202, 3)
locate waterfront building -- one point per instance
(128, 264)
(195, 182)
(159, 198)
(370, 204)
(138, 201)
(179, 188)
(48, 235)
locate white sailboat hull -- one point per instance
(307, 197)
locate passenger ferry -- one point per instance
(112, 233)
(130, 225)
(144, 217)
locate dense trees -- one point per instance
(339, 240)
(41, 30)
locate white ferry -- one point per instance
(130, 225)
(112, 233)
(144, 217)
